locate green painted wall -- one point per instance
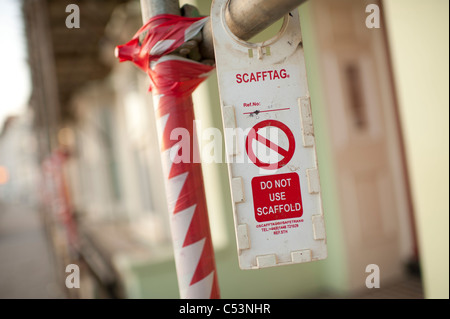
(333, 269)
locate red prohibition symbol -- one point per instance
(254, 135)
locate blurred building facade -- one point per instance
(99, 114)
(18, 158)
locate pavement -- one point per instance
(27, 269)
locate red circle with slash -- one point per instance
(286, 154)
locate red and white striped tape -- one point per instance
(173, 81)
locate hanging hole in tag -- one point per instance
(266, 37)
(269, 33)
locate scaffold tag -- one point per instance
(270, 145)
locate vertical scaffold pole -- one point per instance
(193, 249)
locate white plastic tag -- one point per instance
(270, 145)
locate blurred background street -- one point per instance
(27, 269)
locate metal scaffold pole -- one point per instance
(244, 18)
(191, 236)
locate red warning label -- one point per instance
(277, 197)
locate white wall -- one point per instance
(418, 32)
